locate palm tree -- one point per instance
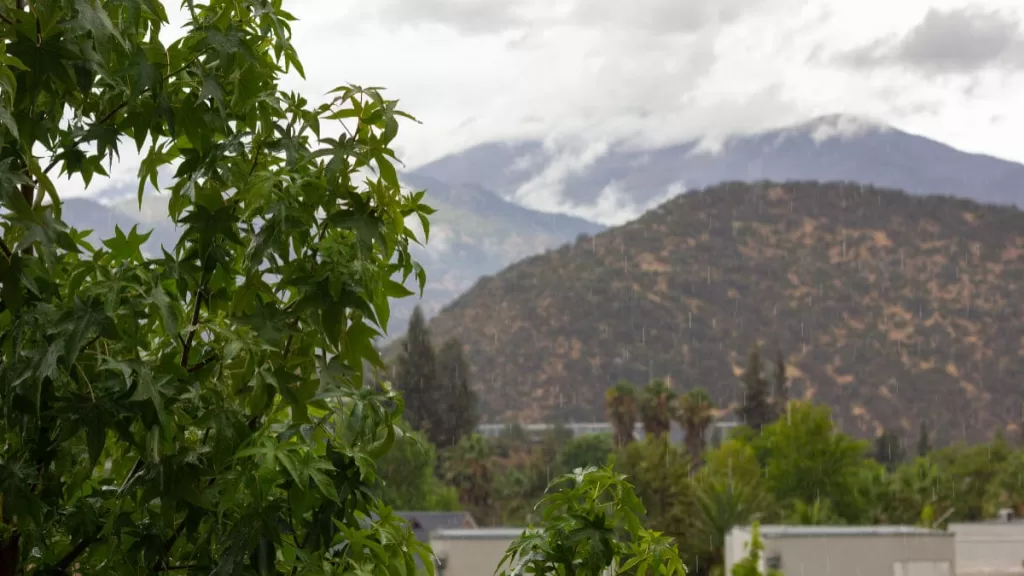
(656, 408)
(695, 412)
(620, 405)
(720, 504)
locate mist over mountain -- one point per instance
(615, 182)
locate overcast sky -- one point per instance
(475, 70)
(669, 70)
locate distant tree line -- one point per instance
(787, 462)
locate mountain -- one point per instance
(473, 233)
(829, 148)
(889, 307)
(101, 218)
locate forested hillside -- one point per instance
(886, 306)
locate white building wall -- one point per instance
(806, 551)
(472, 552)
(888, 555)
(737, 541)
(989, 549)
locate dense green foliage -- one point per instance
(205, 412)
(408, 476)
(200, 411)
(592, 522)
(800, 469)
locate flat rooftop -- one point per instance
(477, 533)
(786, 531)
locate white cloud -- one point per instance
(654, 71)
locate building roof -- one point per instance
(478, 533)
(423, 523)
(785, 531)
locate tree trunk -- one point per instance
(9, 555)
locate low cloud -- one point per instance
(959, 41)
(488, 16)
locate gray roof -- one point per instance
(423, 523)
(478, 533)
(785, 531)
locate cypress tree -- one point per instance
(460, 412)
(923, 443)
(888, 449)
(757, 410)
(780, 392)
(416, 376)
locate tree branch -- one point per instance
(103, 120)
(186, 347)
(61, 567)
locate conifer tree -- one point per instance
(923, 442)
(416, 376)
(459, 412)
(888, 449)
(780, 393)
(757, 410)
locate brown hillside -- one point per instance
(889, 307)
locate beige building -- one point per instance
(994, 548)
(471, 552)
(847, 550)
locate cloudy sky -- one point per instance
(664, 70)
(668, 70)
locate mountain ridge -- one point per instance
(890, 307)
(836, 147)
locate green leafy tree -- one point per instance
(408, 479)
(656, 408)
(620, 405)
(974, 470)
(416, 377)
(889, 449)
(661, 476)
(591, 523)
(586, 451)
(1007, 488)
(918, 485)
(458, 412)
(808, 459)
(873, 485)
(924, 445)
(198, 411)
(757, 410)
(816, 513)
